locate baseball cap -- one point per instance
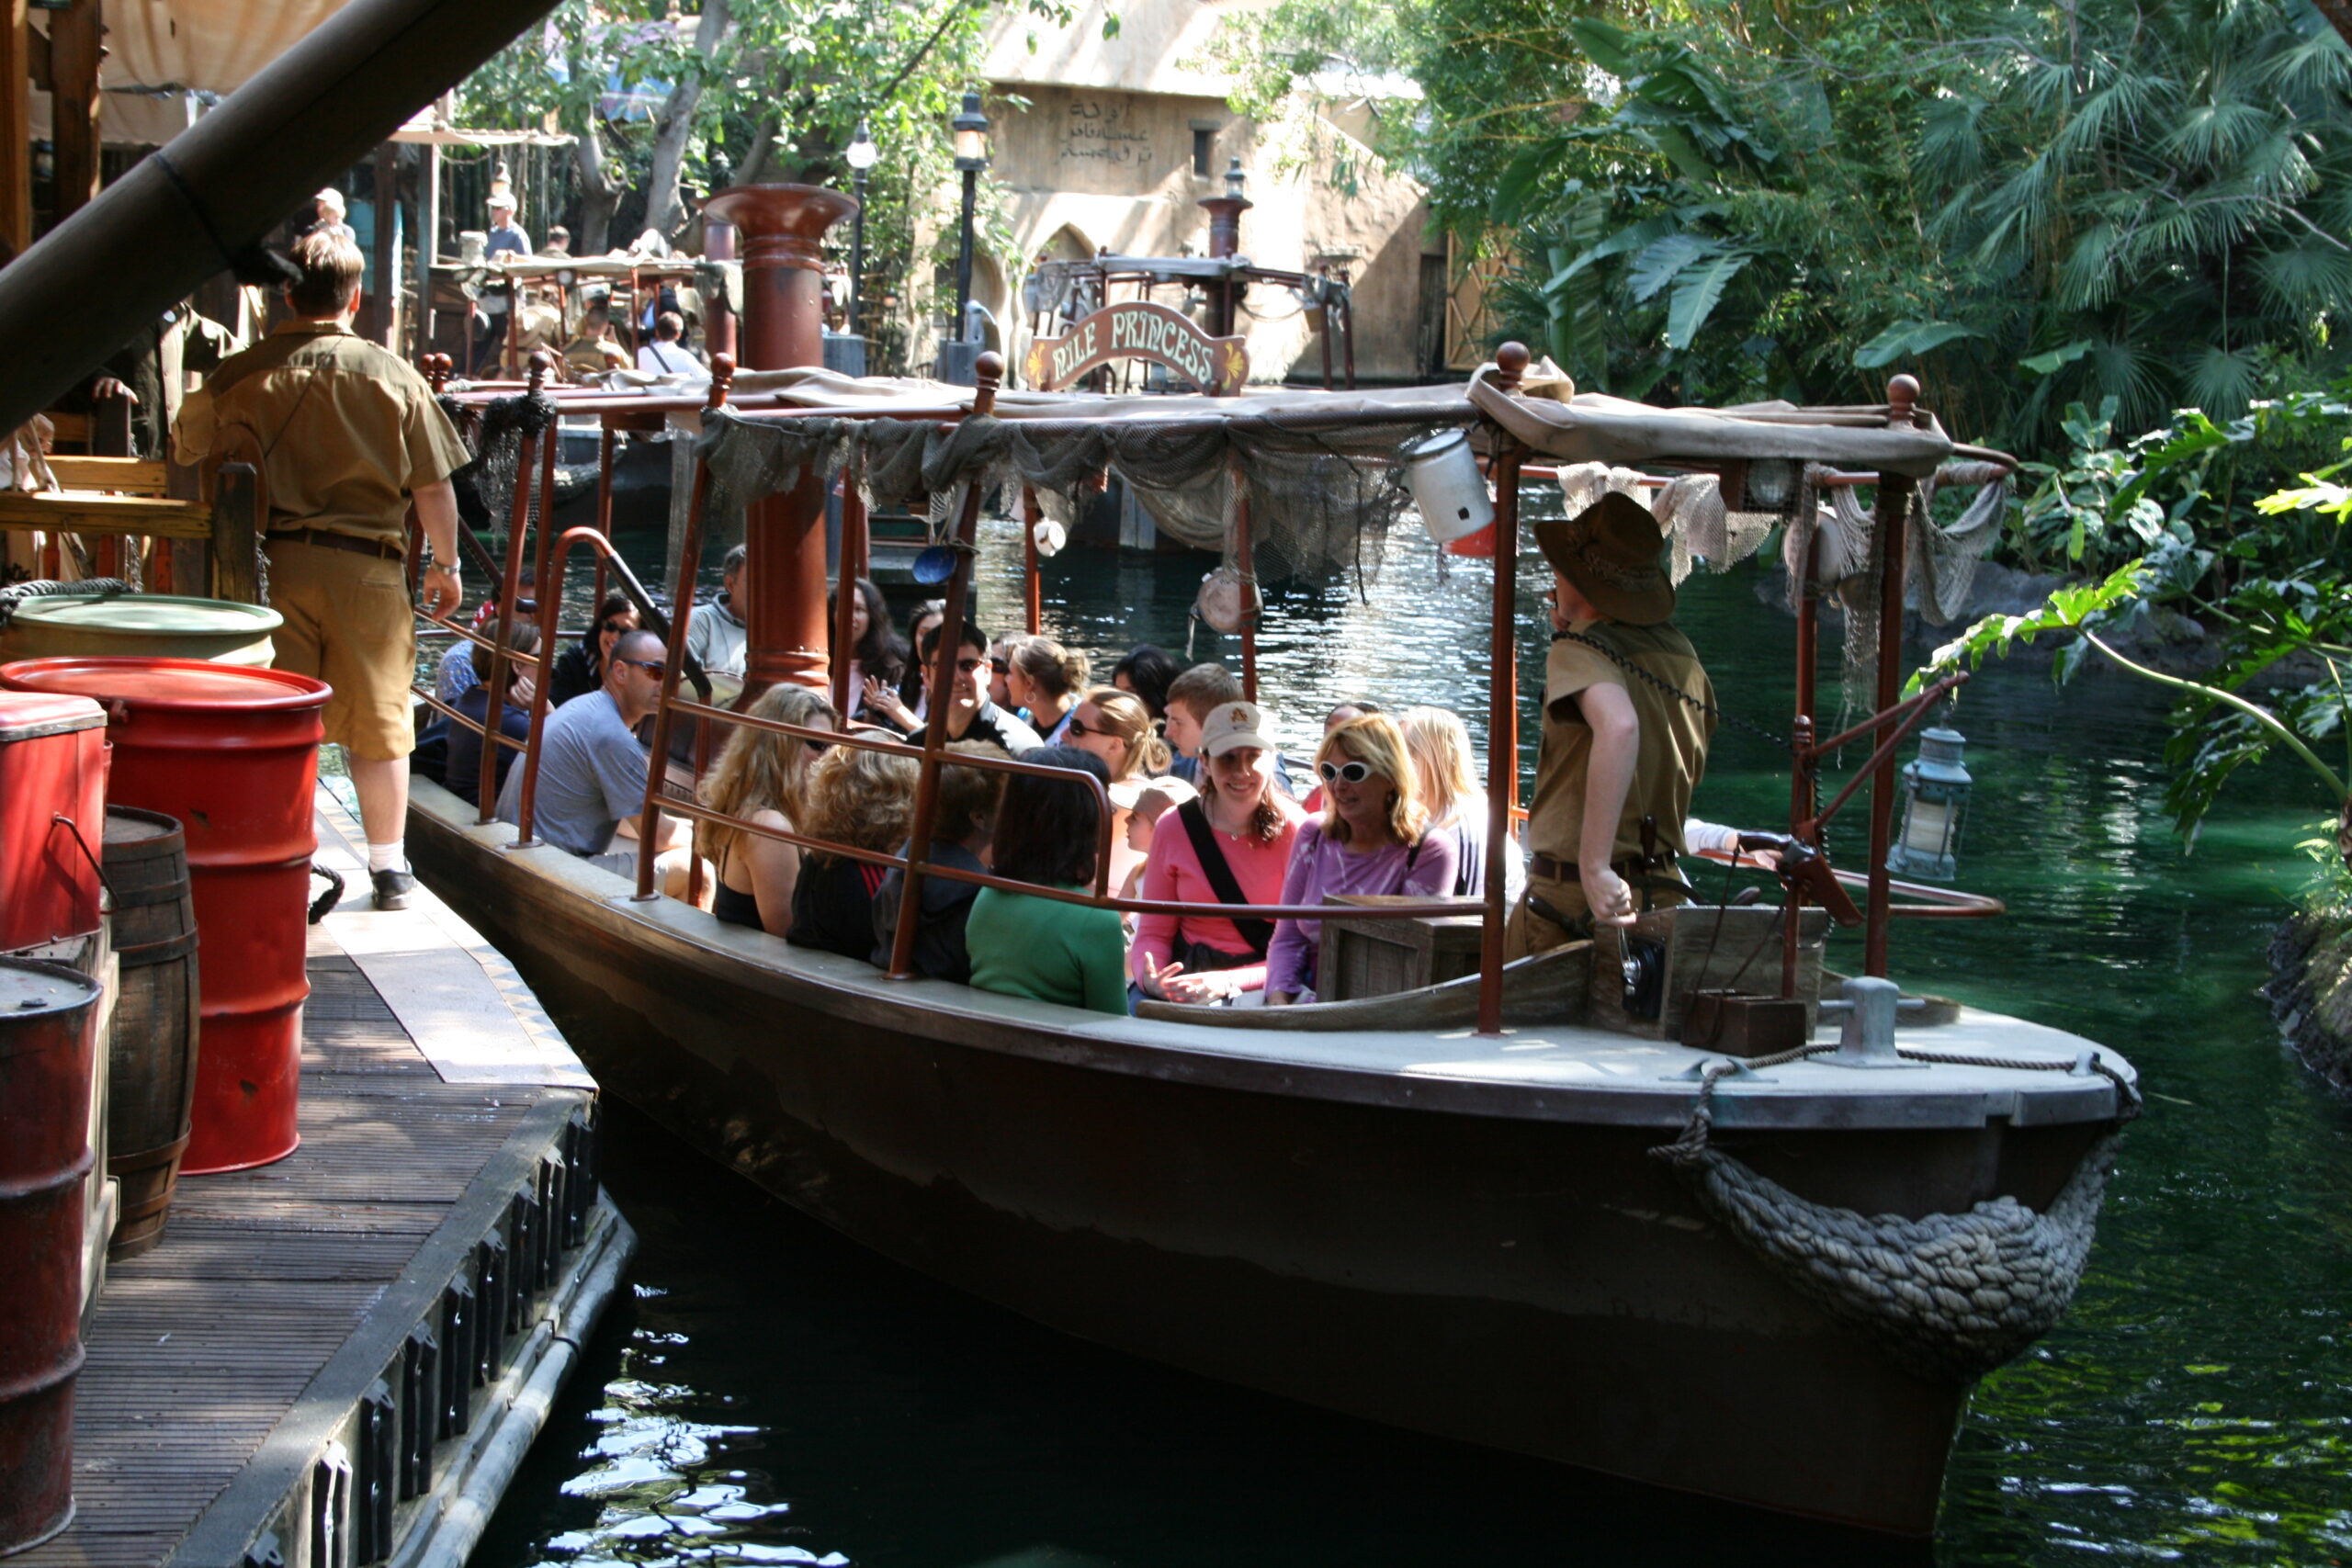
(1231, 726)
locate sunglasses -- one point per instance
(615, 626)
(651, 666)
(965, 666)
(1353, 773)
(1001, 666)
(1077, 727)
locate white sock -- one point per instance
(387, 857)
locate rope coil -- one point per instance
(1950, 1297)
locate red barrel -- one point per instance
(47, 1050)
(52, 764)
(232, 754)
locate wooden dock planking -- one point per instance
(219, 1361)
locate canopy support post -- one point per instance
(1502, 702)
(854, 565)
(1893, 522)
(1245, 560)
(387, 320)
(73, 55)
(988, 370)
(1031, 609)
(428, 241)
(16, 130)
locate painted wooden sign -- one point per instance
(1136, 329)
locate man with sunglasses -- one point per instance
(592, 767)
(1627, 714)
(971, 713)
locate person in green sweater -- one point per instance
(1047, 832)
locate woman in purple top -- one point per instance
(1370, 839)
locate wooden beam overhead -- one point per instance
(74, 50)
(15, 129)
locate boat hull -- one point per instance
(1532, 1285)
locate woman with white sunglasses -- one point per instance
(1372, 837)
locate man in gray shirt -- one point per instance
(592, 768)
(716, 635)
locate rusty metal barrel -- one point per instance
(47, 1049)
(152, 1056)
(232, 754)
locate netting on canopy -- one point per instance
(501, 428)
(1321, 500)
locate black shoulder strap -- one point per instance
(1259, 934)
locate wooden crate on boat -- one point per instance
(1381, 957)
(1708, 947)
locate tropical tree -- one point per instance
(2148, 200)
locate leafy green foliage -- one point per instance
(2031, 207)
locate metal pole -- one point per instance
(845, 593)
(964, 256)
(857, 257)
(1031, 609)
(1245, 560)
(1893, 523)
(1502, 703)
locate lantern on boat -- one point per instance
(1935, 799)
(1448, 490)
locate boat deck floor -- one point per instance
(229, 1363)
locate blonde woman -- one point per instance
(865, 800)
(1372, 838)
(760, 777)
(1044, 679)
(1117, 727)
(1447, 777)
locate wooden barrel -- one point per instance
(151, 1058)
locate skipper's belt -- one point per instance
(382, 548)
(1550, 870)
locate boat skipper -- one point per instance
(346, 437)
(1625, 733)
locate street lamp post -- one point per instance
(860, 157)
(971, 128)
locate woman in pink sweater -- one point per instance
(1248, 826)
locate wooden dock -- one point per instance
(338, 1359)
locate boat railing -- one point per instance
(1885, 728)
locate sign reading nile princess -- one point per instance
(1136, 329)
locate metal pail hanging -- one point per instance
(47, 1049)
(1448, 490)
(233, 755)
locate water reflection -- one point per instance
(770, 1394)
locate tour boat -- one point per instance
(1503, 1208)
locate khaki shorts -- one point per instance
(349, 622)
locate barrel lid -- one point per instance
(182, 683)
(26, 715)
(129, 825)
(149, 615)
(31, 989)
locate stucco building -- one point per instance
(1121, 140)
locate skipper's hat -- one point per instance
(1611, 551)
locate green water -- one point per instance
(769, 1394)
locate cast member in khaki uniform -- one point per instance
(346, 437)
(1619, 746)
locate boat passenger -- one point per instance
(999, 668)
(1627, 714)
(592, 768)
(1047, 832)
(1191, 697)
(970, 715)
(579, 669)
(921, 619)
(875, 651)
(864, 799)
(1156, 800)
(1440, 744)
(760, 777)
(1232, 845)
(1354, 707)
(959, 838)
(717, 635)
(1372, 839)
(1147, 670)
(503, 238)
(1046, 680)
(1115, 727)
(461, 773)
(668, 356)
(596, 350)
(350, 438)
